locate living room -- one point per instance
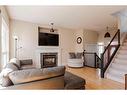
(74, 30)
(67, 36)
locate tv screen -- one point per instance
(48, 39)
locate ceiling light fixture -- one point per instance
(52, 30)
(107, 34)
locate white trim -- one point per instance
(0, 41)
(5, 37)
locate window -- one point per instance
(4, 43)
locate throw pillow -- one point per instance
(26, 62)
(15, 61)
(79, 55)
(6, 71)
(12, 66)
(6, 81)
(72, 55)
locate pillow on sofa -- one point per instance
(28, 75)
(72, 55)
(79, 55)
(6, 81)
(26, 62)
(5, 72)
(15, 61)
(12, 66)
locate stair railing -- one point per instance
(106, 60)
(92, 56)
(98, 61)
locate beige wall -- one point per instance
(88, 37)
(67, 41)
(79, 47)
(28, 39)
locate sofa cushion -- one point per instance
(26, 62)
(28, 75)
(23, 67)
(73, 82)
(15, 61)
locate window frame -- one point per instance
(4, 39)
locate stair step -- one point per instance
(117, 72)
(123, 47)
(120, 67)
(115, 78)
(125, 44)
(125, 40)
(119, 61)
(121, 56)
(122, 52)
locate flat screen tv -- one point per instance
(48, 39)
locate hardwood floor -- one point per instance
(93, 81)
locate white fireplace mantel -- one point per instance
(47, 49)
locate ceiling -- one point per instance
(74, 17)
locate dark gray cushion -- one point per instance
(73, 81)
(79, 55)
(6, 81)
(72, 55)
(28, 75)
(26, 62)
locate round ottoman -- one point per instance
(75, 62)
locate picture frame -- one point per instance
(79, 40)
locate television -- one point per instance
(48, 39)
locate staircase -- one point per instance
(118, 68)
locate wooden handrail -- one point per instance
(112, 40)
(125, 81)
(103, 68)
(111, 58)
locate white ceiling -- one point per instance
(73, 17)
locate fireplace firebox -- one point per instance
(48, 60)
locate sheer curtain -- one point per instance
(4, 43)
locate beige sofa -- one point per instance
(46, 78)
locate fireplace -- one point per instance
(48, 59)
